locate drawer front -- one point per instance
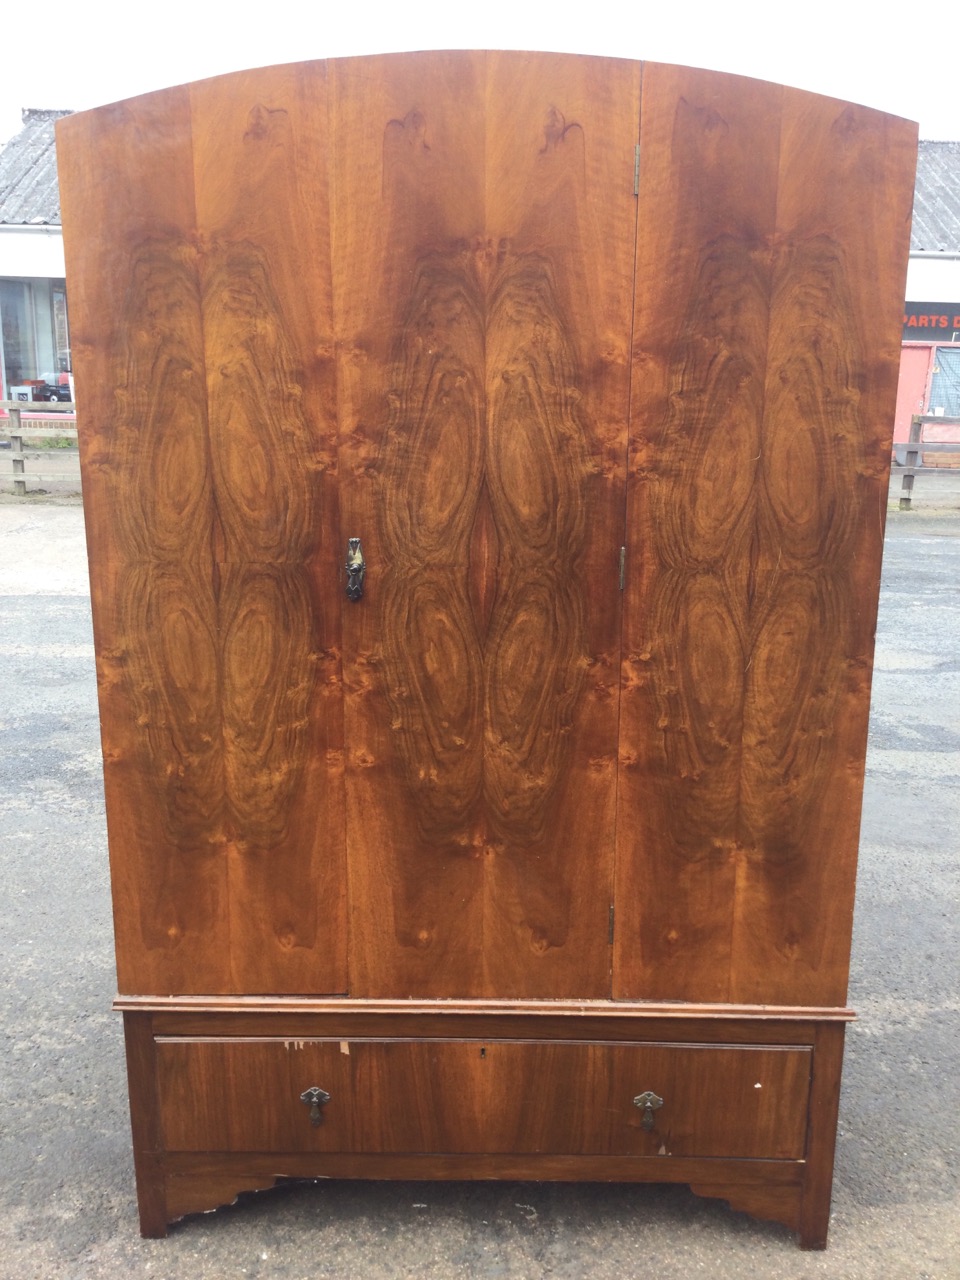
(484, 1097)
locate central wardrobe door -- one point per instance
(483, 224)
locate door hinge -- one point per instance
(610, 936)
(636, 169)
(623, 567)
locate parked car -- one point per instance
(56, 386)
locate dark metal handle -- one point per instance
(356, 569)
(648, 1103)
(315, 1098)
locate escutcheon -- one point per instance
(356, 569)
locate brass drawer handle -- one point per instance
(648, 1103)
(315, 1098)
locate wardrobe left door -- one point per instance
(195, 223)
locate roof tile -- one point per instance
(936, 201)
(29, 195)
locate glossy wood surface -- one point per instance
(142, 1082)
(415, 843)
(483, 292)
(822, 1119)
(391, 298)
(483, 1096)
(172, 1183)
(208, 458)
(769, 281)
(199, 1183)
(503, 1012)
(477, 296)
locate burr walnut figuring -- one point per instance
(519, 843)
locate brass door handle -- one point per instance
(356, 569)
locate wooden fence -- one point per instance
(915, 462)
(42, 413)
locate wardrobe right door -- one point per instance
(772, 243)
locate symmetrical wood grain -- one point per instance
(404, 189)
(413, 300)
(431, 463)
(702, 313)
(482, 407)
(261, 188)
(224, 708)
(763, 354)
(560, 209)
(205, 474)
(478, 291)
(135, 316)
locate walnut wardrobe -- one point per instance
(484, 462)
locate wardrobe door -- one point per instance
(483, 241)
(772, 237)
(198, 257)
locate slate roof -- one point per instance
(936, 201)
(29, 195)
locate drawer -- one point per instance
(470, 1096)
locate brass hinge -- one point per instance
(611, 925)
(623, 567)
(636, 169)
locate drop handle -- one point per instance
(315, 1098)
(648, 1103)
(356, 569)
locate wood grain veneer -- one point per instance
(598, 360)
(208, 457)
(484, 301)
(484, 1096)
(764, 364)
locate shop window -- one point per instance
(19, 337)
(945, 383)
(34, 334)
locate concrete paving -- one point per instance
(66, 1179)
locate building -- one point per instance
(35, 341)
(930, 359)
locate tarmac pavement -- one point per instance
(67, 1205)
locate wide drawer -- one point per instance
(470, 1096)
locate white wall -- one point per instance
(37, 252)
(933, 280)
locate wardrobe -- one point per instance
(484, 462)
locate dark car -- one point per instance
(53, 389)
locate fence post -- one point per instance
(909, 462)
(16, 447)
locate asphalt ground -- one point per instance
(67, 1206)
